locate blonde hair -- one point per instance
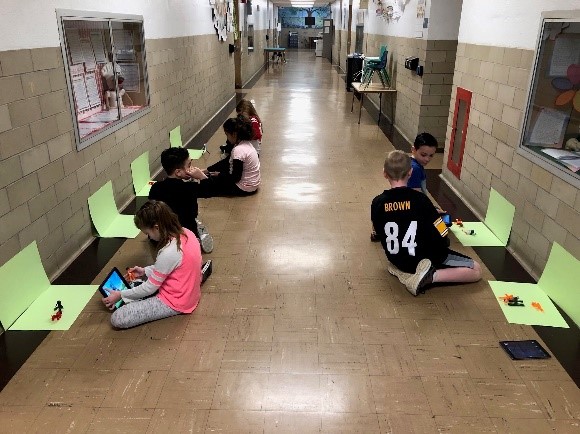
(397, 165)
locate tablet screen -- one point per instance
(114, 281)
(522, 350)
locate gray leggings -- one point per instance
(139, 312)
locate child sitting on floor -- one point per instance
(413, 235)
(423, 149)
(247, 109)
(238, 175)
(173, 282)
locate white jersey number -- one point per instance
(392, 233)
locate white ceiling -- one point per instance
(286, 3)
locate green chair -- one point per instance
(376, 60)
(175, 142)
(380, 68)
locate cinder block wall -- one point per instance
(345, 50)
(253, 62)
(547, 208)
(45, 181)
(421, 103)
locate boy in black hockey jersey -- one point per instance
(413, 235)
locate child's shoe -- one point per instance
(206, 270)
(423, 276)
(205, 239)
(401, 275)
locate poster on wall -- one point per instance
(390, 10)
(98, 47)
(88, 55)
(565, 53)
(92, 91)
(80, 93)
(221, 18)
(130, 72)
(123, 40)
(75, 50)
(420, 18)
(295, 17)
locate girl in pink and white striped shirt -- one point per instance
(173, 282)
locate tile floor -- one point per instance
(300, 327)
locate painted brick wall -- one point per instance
(422, 103)
(45, 182)
(547, 208)
(253, 61)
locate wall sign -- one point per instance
(222, 17)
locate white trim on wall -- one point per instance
(508, 23)
(32, 24)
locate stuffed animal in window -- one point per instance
(573, 144)
(110, 97)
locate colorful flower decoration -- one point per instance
(570, 85)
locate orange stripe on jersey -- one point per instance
(440, 226)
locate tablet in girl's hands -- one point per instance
(114, 282)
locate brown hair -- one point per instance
(246, 107)
(155, 212)
(241, 127)
(397, 165)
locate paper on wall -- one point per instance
(549, 128)
(565, 53)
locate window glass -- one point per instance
(105, 63)
(552, 119)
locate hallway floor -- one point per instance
(300, 328)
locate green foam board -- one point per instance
(141, 175)
(23, 280)
(527, 314)
(107, 220)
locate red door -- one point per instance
(459, 131)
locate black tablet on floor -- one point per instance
(114, 281)
(523, 350)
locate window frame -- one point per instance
(79, 15)
(523, 150)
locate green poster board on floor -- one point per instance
(496, 227)
(28, 298)
(106, 218)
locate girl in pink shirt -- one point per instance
(239, 175)
(172, 284)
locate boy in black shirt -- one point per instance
(180, 190)
(413, 235)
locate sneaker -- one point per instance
(401, 275)
(205, 239)
(206, 270)
(375, 238)
(423, 276)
